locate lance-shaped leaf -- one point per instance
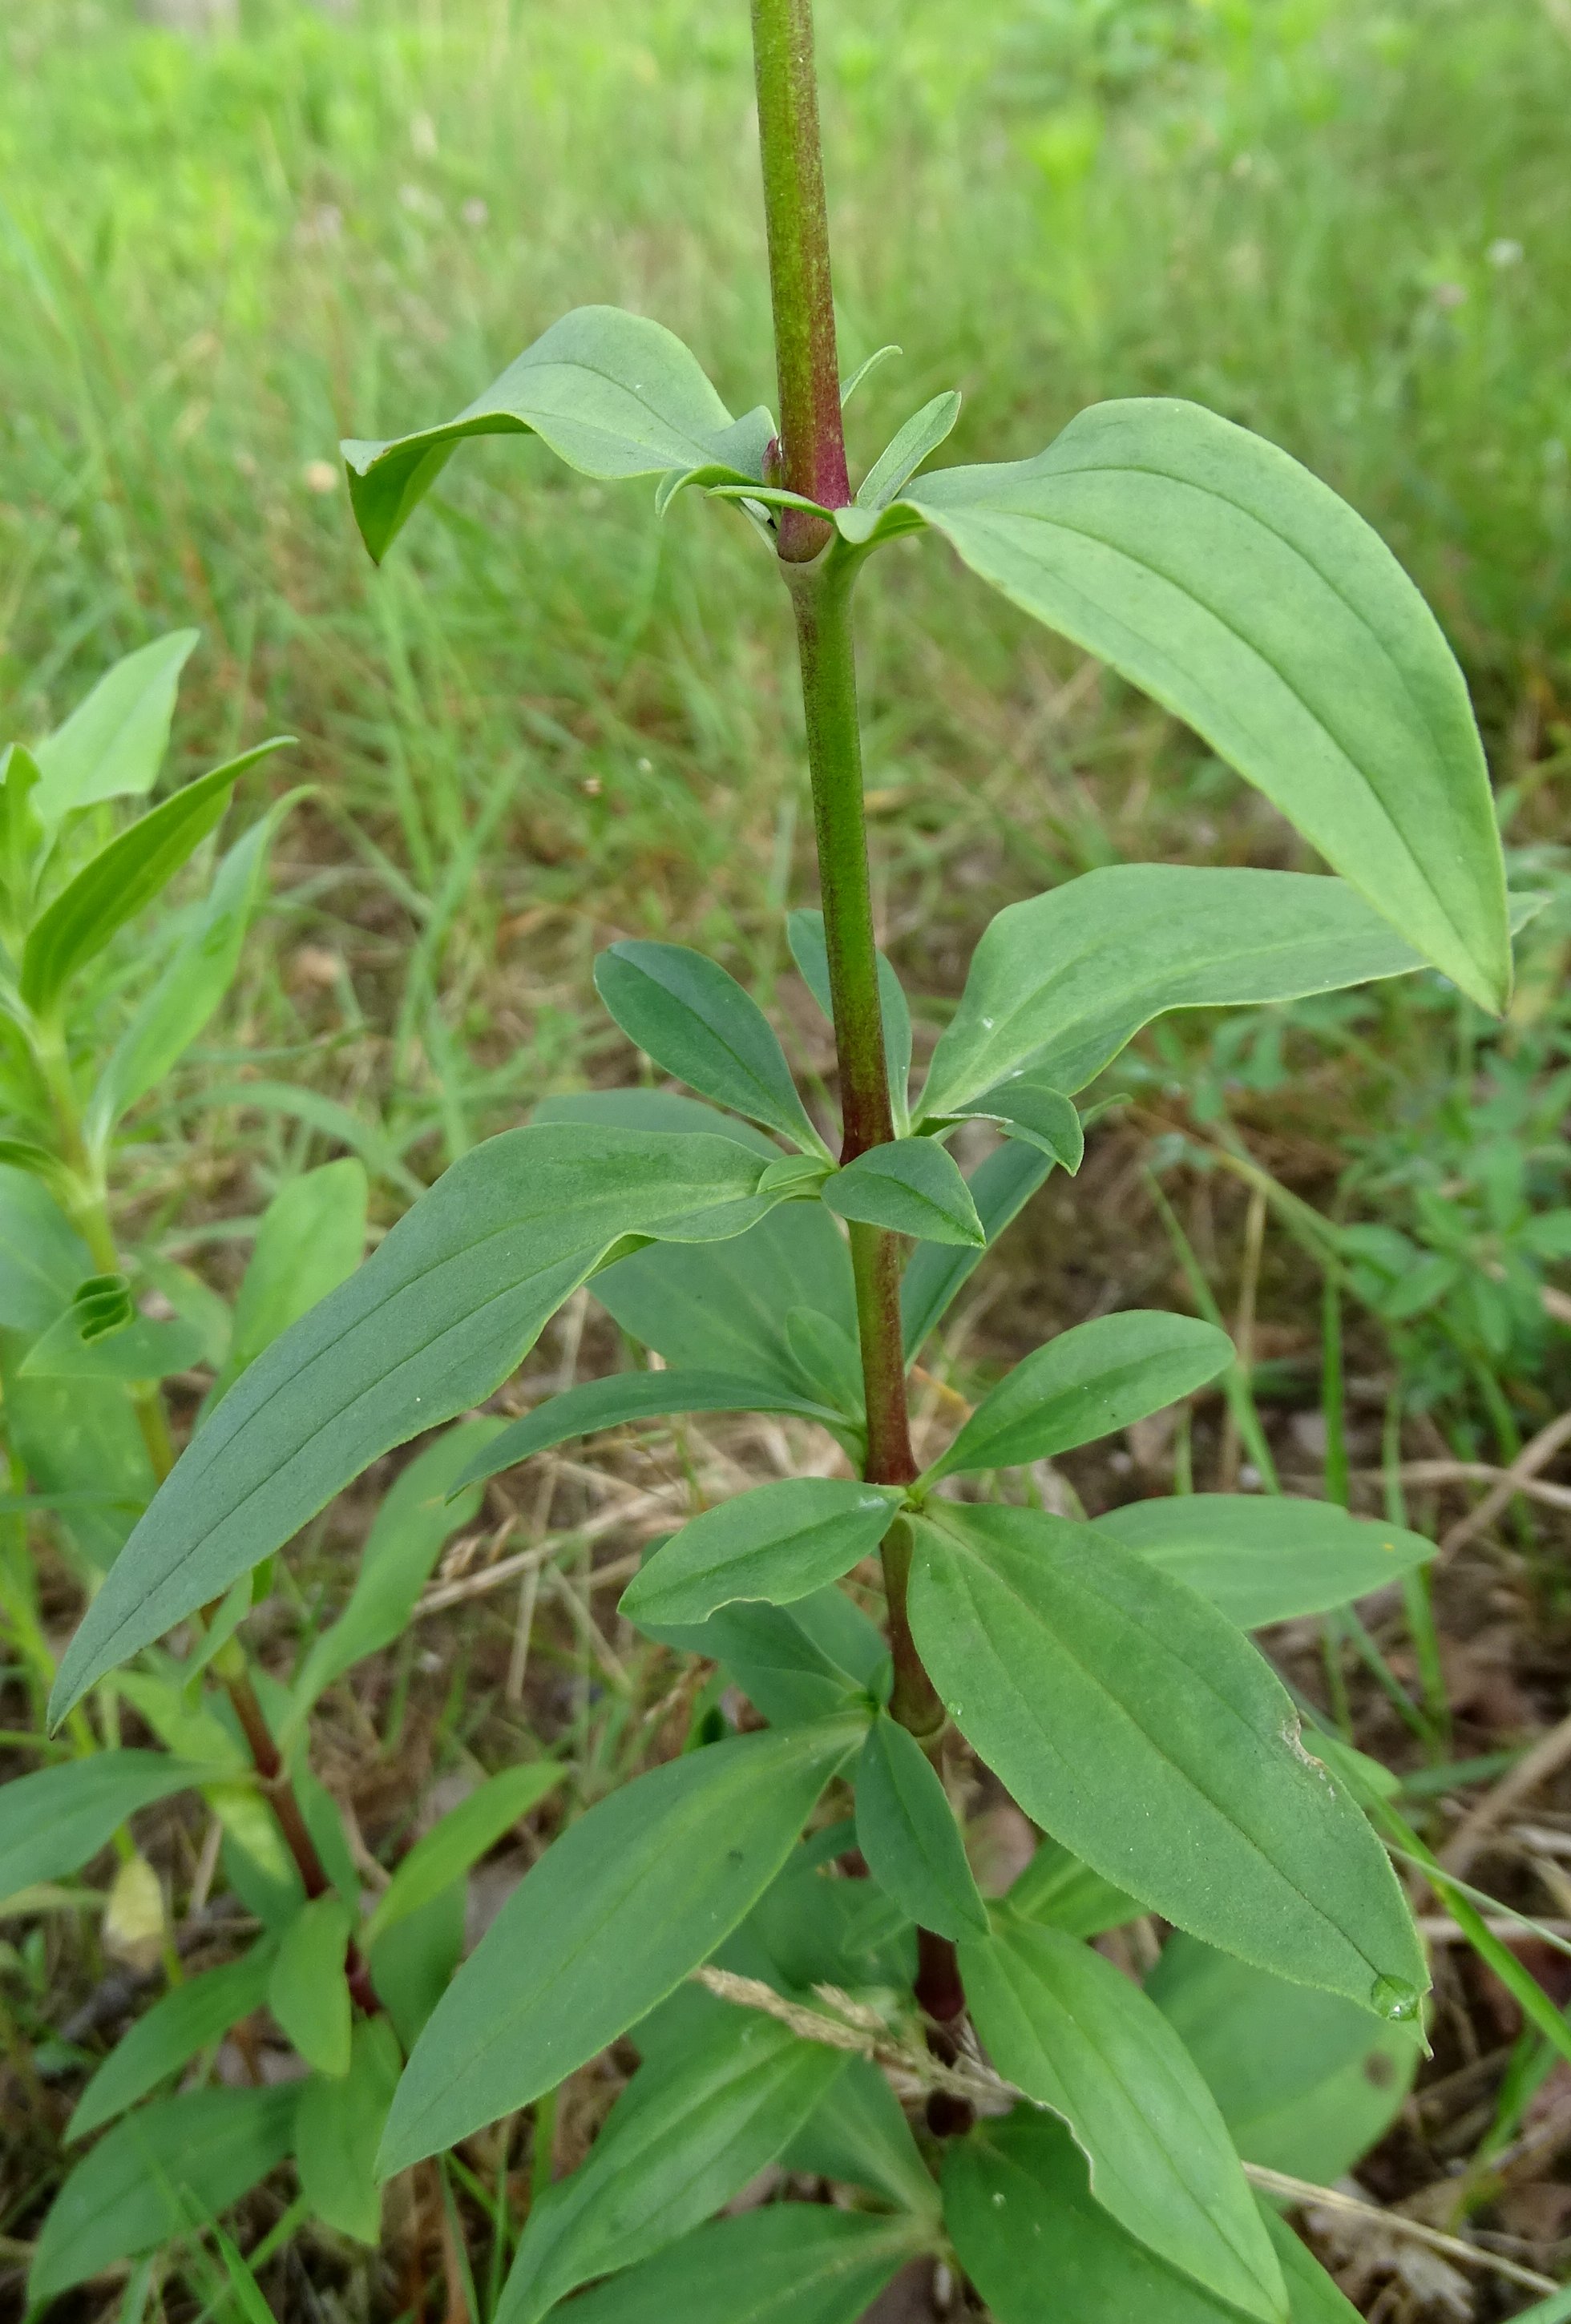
(809, 950)
(1061, 1892)
(1209, 568)
(1266, 1560)
(445, 1853)
(1060, 983)
(1131, 1719)
(1087, 1382)
(613, 1915)
(53, 1822)
(899, 461)
(181, 2022)
(1000, 1188)
(778, 1543)
(1065, 2026)
(692, 1017)
(1036, 2243)
(912, 1186)
(123, 877)
(906, 1830)
(613, 394)
(338, 2124)
(677, 2147)
(445, 1307)
(166, 2166)
(113, 743)
(1031, 1109)
(821, 1657)
(307, 1991)
(631, 1395)
(311, 1238)
(788, 2264)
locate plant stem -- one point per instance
(820, 571)
(812, 440)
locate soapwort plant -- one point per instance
(1069, 2138)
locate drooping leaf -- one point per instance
(616, 1911)
(1001, 1187)
(810, 951)
(692, 1017)
(113, 743)
(1089, 1381)
(1266, 1559)
(778, 1543)
(1058, 984)
(443, 1310)
(912, 1186)
(139, 1349)
(631, 1395)
(417, 1515)
(136, 2188)
(1037, 2244)
(809, 1661)
(612, 394)
(788, 2264)
(1069, 2030)
(124, 877)
(192, 982)
(1132, 1722)
(307, 1989)
(1061, 1892)
(311, 1238)
(1223, 579)
(1031, 1109)
(53, 1822)
(445, 1853)
(1304, 2084)
(676, 2146)
(338, 2124)
(181, 2022)
(906, 1829)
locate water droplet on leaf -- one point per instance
(1395, 1999)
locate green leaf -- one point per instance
(1266, 1559)
(611, 393)
(693, 1018)
(1089, 1381)
(1312, 2297)
(1215, 572)
(412, 1964)
(912, 1186)
(906, 1829)
(1060, 983)
(1076, 2035)
(631, 1395)
(77, 1347)
(614, 1914)
(1000, 1188)
(864, 371)
(860, 2135)
(417, 1515)
(52, 1822)
(778, 1543)
(307, 1989)
(113, 743)
(136, 2189)
(183, 2020)
(830, 1356)
(1031, 1109)
(810, 951)
(1131, 1720)
(811, 1663)
(338, 2124)
(898, 463)
(1036, 2243)
(124, 877)
(1303, 2085)
(194, 979)
(445, 1853)
(447, 1306)
(1061, 1892)
(788, 2264)
(21, 831)
(311, 1238)
(677, 2147)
